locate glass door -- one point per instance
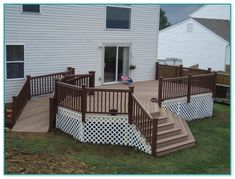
(116, 63)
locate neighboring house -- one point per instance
(203, 38)
(42, 39)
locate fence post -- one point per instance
(130, 104)
(181, 70)
(214, 84)
(209, 70)
(160, 91)
(156, 70)
(189, 87)
(84, 101)
(28, 86)
(154, 137)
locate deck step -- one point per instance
(172, 140)
(162, 119)
(163, 127)
(168, 133)
(174, 147)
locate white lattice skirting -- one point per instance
(200, 106)
(101, 129)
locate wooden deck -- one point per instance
(35, 116)
(144, 90)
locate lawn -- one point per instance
(56, 153)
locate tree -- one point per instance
(163, 20)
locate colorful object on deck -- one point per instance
(126, 78)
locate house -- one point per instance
(44, 38)
(203, 39)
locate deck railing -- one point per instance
(44, 84)
(168, 71)
(34, 86)
(20, 100)
(78, 80)
(68, 96)
(91, 100)
(145, 123)
(170, 88)
(104, 101)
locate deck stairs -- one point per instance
(173, 133)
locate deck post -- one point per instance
(189, 87)
(14, 109)
(71, 70)
(84, 102)
(52, 112)
(154, 137)
(209, 70)
(56, 88)
(130, 104)
(181, 70)
(92, 79)
(156, 70)
(214, 84)
(160, 91)
(28, 86)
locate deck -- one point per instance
(144, 90)
(35, 115)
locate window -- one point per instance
(189, 27)
(118, 18)
(31, 8)
(15, 61)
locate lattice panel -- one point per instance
(200, 106)
(101, 129)
(70, 122)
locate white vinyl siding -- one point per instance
(73, 35)
(201, 46)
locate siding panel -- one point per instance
(70, 35)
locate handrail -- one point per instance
(142, 107)
(44, 84)
(21, 99)
(147, 125)
(51, 74)
(23, 96)
(170, 88)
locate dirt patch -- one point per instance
(22, 162)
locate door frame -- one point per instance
(103, 57)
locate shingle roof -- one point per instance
(218, 26)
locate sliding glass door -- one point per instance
(116, 63)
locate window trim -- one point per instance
(117, 29)
(35, 13)
(5, 65)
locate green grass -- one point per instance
(211, 155)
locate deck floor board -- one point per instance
(35, 116)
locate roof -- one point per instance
(218, 26)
